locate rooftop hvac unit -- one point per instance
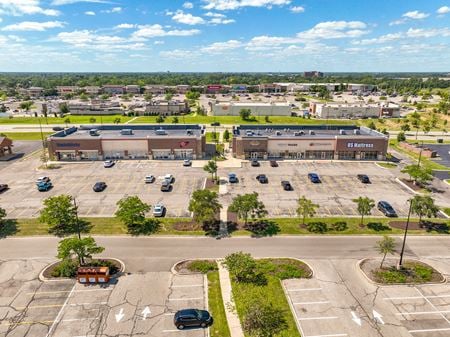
(189, 132)
(342, 132)
(278, 133)
(356, 132)
(93, 132)
(160, 132)
(299, 133)
(311, 132)
(249, 133)
(125, 132)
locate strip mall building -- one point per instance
(332, 142)
(128, 142)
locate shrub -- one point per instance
(243, 268)
(317, 227)
(423, 272)
(66, 268)
(339, 226)
(264, 320)
(391, 276)
(203, 266)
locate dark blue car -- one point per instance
(314, 178)
(44, 186)
(232, 178)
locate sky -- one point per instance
(224, 35)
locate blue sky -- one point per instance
(224, 35)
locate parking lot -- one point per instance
(334, 194)
(340, 302)
(134, 305)
(23, 200)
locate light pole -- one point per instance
(420, 154)
(77, 219)
(44, 156)
(404, 236)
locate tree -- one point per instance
(168, 96)
(205, 205)
(175, 120)
(81, 248)
(405, 127)
(64, 108)
(264, 320)
(242, 266)
(415, 122)
(385, 246)
(365, 206)
(117, 120)
(61, 214)
(372, 125)
(92, 120)
(226, 135)
(67, 121)
(131, 211)
(306, 208)
(2, 215)
(424, 206)
(192, 95)
(26, 105)
(148, 97)
(211, 167)
(245, 114)
(248, 205)
(401, 137)
(160, 119)
(420, 175)
(426, 127)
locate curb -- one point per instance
(175, 272)
(406, 186)
(360, 262)
(42, 278)
(386, 168)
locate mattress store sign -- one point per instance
(68, 144)
(359, 145)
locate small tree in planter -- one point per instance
(205, 205)
(365, 206)
(211, 167)
(385, 246)
(82, 249)
(424, 206)
(248, 205)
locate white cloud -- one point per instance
(334, 30)
(69, 2)
(381, 39)
(411, 33)
(125, 26)
(236, 4)
(219, 47)
(16, 38)
(188, 5)
(25, 7)
(188, 19)
(33, 26)
(215, 15)
(398, 22)
(427, 33)
(151, 31)
(91, 13)
(158, 42)
(112, 10)
(221, 21)
(415, 15)
(297, 9)
(443, 10)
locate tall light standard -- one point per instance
(400, 263)
(44, 155)
(77, 219)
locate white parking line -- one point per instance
(58, 317)
(432, 305)
(415, 297)
(68, 291)
(59, 305)
(424, 312)
(304, 289)
(310, 303)
(332, 335)
(316, 318)
(429, 330)
(186, 299)
(188, 286)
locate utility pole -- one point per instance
(44, 155)
(404, 236)
(420, 154)
(77, 219)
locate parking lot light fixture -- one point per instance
(400, 263)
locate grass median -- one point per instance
(72, 119)
(215, 302)
(27, 135)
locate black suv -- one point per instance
(286, 185)
(192, 318)
(3, 187)
(273, 163)
(364, 178)
(386, 208)
(262, 178)
(99, 186)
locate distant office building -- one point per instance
(359, 87)
(182, 89)
(257, 109)
(91, 90)
(133, 89)
(312, 74)
(353, 111)
(95, 108)
(167, 108)
(33, 92)
(326, 142)
(113, 89)
(216, 89)
(155, 89)
(270, 88)
(64, 90)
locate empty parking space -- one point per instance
(334, 194)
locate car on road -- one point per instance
(149, 179)
(187, 162)
(255, 163)
(273, 163)
(166, 186)
(169, 178)
(3, 187)
(215, 124)
(286, 185)
(364, 178)
(262, 178)
(44, 186)
(99, 186)
(42, 180)
(108, 163)
(232, 178)
(57, 128)
(192, 318)
(159, 210)
(386, 208)
(314, 178)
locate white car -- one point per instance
(159, 210)
(42, 180)
(149, 179)
(108, 163)
(187, 162)
(169, 178)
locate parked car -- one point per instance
(99, 186)
(159, 210)
(187, 162)
(262, 178)
(42, 180)
(44, 186)
(192, 318)
(255, 163)
(57, 128)
(169, 178)
(314, 178)
(3, 187)
(166, 186)
(149, 179)
(232, 178)
(273, 163)
(386, 208)
(286, 185)
(215, 124)
(108, 163)
(364, 178)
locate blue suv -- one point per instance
(232, 178)
(44, 186)
(314, 178)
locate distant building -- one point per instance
(33, 92)
(155, 89)
(167, 108)
(270, 88)
(182, 88)
(257, 109)
(353, 111)
(95, 108)
(239, 88)
(64, 90)
(216, 89)
(133, 89)
(92, 90)
(312, 74)
(360, 87)
(113, 89)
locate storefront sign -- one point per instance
(254, 143)
(184, 144)
(359, 145)
(320, 144)
(68, 144)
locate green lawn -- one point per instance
(58, 120)
(220, 327)
(100, 226)
(26, 135)
(210, 138)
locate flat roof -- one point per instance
(255, 104)
(306, 131)
(138, 131)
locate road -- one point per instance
(159, 253)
